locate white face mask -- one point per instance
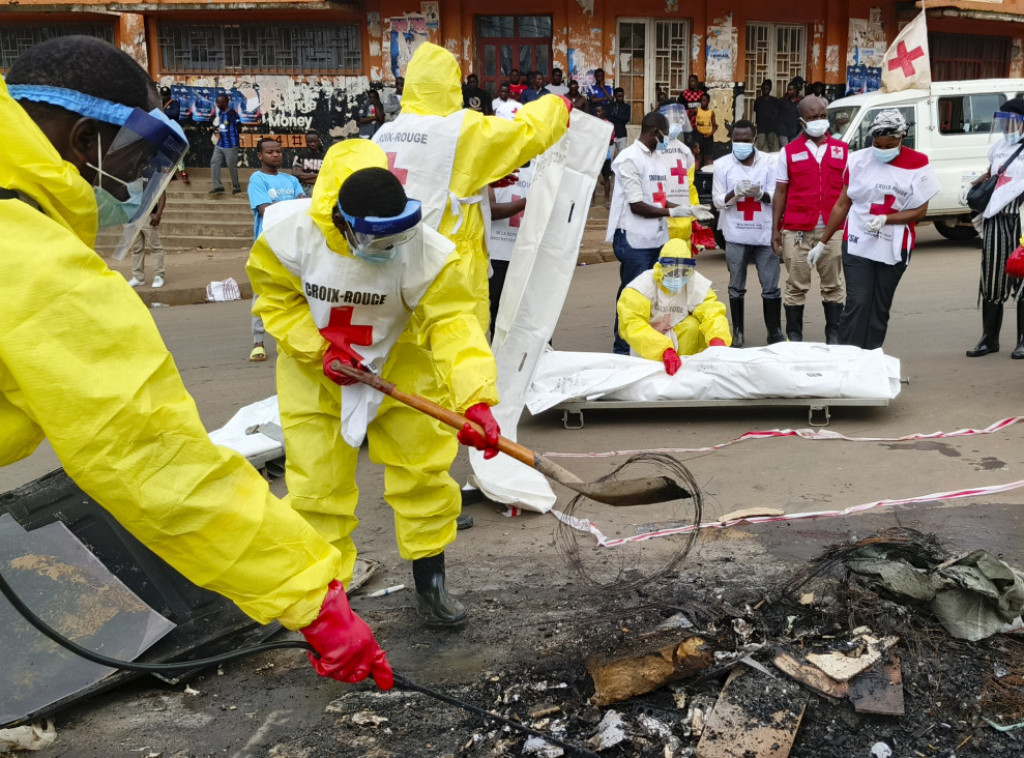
(816, 128)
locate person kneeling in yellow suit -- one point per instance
(353, 275)
(87, 145)
(671, 310)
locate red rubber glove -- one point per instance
(717, 342)
(341, 334)
(488, 442)
(348, 651)
(568, 107)
(506, 181)
(671, 360)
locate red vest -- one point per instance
(813, 187)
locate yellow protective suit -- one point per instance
(645, 310)
(682, 228)
(441, 354)
(83, 365)
(489, 148)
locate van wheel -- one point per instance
(951, 229)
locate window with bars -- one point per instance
(511, 42)
(774, 51)
(260, 48)
(672, 56)
(17, 38)
(957, 57)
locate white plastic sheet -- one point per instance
(242, 433)
(538, 280)
(783, 370)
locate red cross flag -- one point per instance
(906, 64)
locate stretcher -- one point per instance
(811, 375)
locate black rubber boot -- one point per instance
(991, 322)
(436, 607)
(794, 323)
(736, 310)
(833, 313)
(773, 320)
(1018, 352)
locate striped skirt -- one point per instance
(1000, 237)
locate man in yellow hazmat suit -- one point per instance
(671, 310)
(353, 275)
(83, 365)
(445, 155)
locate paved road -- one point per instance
(934, 321)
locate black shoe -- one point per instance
(795, 323)
(1018, 352)
(736, 311)
(436, 607)
(773, 320)
(217, 191)
(833, 314)
(236, 191)
(991, 323)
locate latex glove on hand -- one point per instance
(743, 188)
(717, 342)
(671, 360)
(506, 181)
(488, 441)
(701, 212)
(816, 252)
(568, 106)
(754, 190)
(347, 649)
(339, 348)
(875, 224)
(680, 211)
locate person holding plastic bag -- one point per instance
(1001, 228)
(353, 276)
(671, 310)
(886, 189)
(83, 365)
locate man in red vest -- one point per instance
(807, 185)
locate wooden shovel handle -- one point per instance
(442, 414)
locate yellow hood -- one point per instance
(340, 162)
(433, 82)
(30, 164)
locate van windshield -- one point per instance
(839, 119)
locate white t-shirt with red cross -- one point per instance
(748, 221)
(876, 189)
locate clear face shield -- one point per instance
(378, 239)
(678, 121)
(133, 171)
(1006, 126)
(676, 273)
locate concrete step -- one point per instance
(170, 242)
(177, 206)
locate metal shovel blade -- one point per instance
(638, 491)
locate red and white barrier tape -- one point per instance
(585, 525)
(807, 434)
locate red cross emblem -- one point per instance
(885, 208)
(1003, 179)
(905, 59)
(517, 219)
(750, 206)
(679, 172)
(401, 173)
(342, 333)
(660, 198)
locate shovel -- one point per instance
(640, 491)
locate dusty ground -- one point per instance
(535, 620)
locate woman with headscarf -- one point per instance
(886, 189)
(1001, 228)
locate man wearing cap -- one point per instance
(807, 184)
(83, 365)
(353, 277)
(671, 310)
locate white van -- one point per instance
(950, 123)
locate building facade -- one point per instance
(290, 66)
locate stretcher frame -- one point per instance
(817, 407)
